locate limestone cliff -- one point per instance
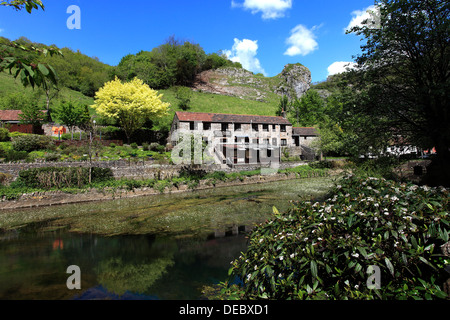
(293, 81)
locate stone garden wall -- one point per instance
(132, 169)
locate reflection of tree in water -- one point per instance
(136, 264)
(119, 277)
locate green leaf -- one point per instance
(314, 269)
(363, 252)
(43, 69)
(426, 262)
(389, 266)
(414, 242)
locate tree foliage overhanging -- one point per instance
(403, 74)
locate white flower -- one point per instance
(356, 255)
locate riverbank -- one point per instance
(55, 198)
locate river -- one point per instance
(164, 247)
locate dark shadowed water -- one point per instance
(33, 266)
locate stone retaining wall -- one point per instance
(133, 169)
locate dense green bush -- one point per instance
(324, 250)
(50, 177)
(32, 142)
(4, 135)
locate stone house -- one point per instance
(236, 139)
(304, 136)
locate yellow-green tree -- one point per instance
(130, 103)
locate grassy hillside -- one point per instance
(8, 84)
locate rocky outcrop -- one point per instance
(295, 81)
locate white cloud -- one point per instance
(270, 9)
(302, 41)
(370, 14)
(340, 67)
(245, 51)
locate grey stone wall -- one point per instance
(132, 170)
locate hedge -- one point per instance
(51, 177)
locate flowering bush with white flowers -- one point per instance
(324, 250)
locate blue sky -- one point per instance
(264, 35)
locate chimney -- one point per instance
(283, 113)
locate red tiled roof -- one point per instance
(310, 132)
(11, 115)
(229, 118)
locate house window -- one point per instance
(274, 141)
(283, 142)
(206, 125)
(274, 127)
(265, 127)
(224, 126)
(283, 128)
(237, 127)
(192, 125)
(255, 127)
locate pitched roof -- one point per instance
(310, 132)
(12, 115)
(229, 118)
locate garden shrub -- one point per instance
(192, 173)
(324, 250)
(50, 177)
(5, 178)
(4, 135)
(156, 147)
(321, 165)
(32, 142)
(10, 155)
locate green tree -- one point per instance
(283, 106)
(184, 96)
(132, 104)
(32, 114)
(70, 115)
(404, 72)
(308, 111)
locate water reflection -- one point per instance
(33, 265)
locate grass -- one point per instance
(214, 103)
(9, 84)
